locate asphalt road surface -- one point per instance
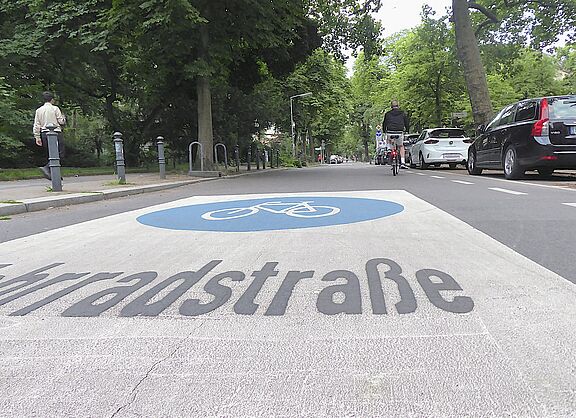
(329, 291)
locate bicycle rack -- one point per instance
(201, 149)
(225, 154)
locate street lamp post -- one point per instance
(257, 126)
(292, 119)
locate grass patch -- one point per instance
(118, 183)
(5, 218)
(11, 174)
(10, 202)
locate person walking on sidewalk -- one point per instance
(46, 114)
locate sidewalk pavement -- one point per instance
(22, 196)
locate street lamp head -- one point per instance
(302, 95)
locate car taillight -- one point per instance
(540, 128)
(431, 141)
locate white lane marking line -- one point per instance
(497, 189)
(420, 174)
(461, 182)
(438, 177)
(570, 204)
(487, 178)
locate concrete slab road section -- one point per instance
(368, 303)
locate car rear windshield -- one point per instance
(563, 108)
(447, 133)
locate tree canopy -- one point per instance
(224, 71)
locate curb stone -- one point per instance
(7, 209)
(42, 203)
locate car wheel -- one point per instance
(423, 164)
(412, 164)
(512, 170)
(452, 166)
(545, 172)
(471, 164)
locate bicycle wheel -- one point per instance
(226, 214)
(316, 212)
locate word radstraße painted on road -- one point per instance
(342, 298)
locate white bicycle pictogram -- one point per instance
(293, 209)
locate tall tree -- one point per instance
(538, 22)
(567, 60)
(324, 115)
(366, 79)
(469, 54)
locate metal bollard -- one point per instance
(257, 158)
(54, 158)
(120, 165)
(161, 158)
(237, 157)
(249, 156)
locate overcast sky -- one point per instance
(397, 15)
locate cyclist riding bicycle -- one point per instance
(395, 124)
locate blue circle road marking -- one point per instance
(271, 214)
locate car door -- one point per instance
(417, 146)
(482, 144)
(520, 131)
(500, 136)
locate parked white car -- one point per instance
(440, 146)
(336, 159)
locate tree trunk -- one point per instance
(205, 131)
(365, 139)
(438, 98)
(311, 144)
(469, 55)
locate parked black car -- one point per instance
(533, 134)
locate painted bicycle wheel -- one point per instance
(226, 214)
(312, 211)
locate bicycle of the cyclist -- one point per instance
(395, 140)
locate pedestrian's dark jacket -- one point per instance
(395, 120)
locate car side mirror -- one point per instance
(481, 129)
